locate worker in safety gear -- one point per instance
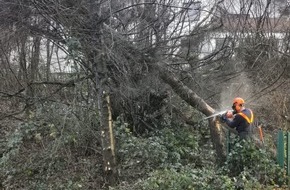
(240, 118)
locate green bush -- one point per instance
(25, 131)
(253, 164)
(167, 148)
(40, 152)
(181, 145)
(168, 159)
(138, 156)
(188, 178)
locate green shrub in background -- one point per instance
(25, 131)
(253, 164)
(182, 146)
(170, 160)
(188, 178)
(165, 148)
(54, 142)
(38, 154)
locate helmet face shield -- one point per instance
(234, 106)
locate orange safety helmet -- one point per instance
(238, 103)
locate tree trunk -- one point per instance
(216, 132)
(35, 57)
(49, 51)
(34, 64)
(22, 73)
(105, 116)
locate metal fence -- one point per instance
(283, 150)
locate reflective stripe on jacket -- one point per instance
(248, 115)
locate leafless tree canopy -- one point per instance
(144, 61)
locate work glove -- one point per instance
(229, 114)
(223, 117)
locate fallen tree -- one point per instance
(188, 95)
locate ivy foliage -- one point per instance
(253, 163)
(39, 153)
(187, 178)
(172, 158)
(165, 148)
